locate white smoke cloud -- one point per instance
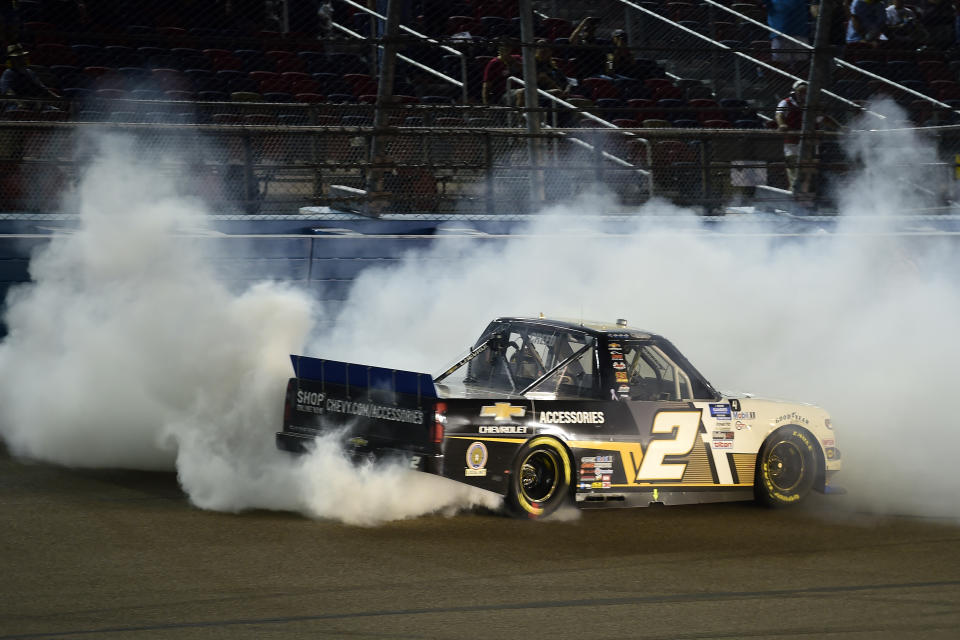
(129, 352)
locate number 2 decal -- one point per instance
(684, 425)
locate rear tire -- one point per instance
(540, 478)
(786, 468)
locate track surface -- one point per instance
(103, 554)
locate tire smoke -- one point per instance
(128, 350)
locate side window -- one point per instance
(653, 376)
(576, 378)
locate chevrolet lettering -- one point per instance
(568, 411)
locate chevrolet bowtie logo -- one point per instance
(502, 411)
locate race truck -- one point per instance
(547, 411)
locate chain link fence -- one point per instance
(424, 170)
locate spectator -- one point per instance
(20, 82)
(791, 17)
(497, 71)
(902, 25)
(938, 20)
(591, 53)
(789, 117)
(549, 77)
(868, 19)
(622, 63)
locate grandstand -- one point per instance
(284, 97)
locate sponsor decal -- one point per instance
(596, 485)
(618, 336)
(723, 444)
(616, 356)
(624, 388)
(588, 465)
(620, 376)
(583, 485)
(720, 411)
(502, 411)
(511, 429)
(828, 442)
(358, 441)
(603, 459)
(723, 435)
(619, 366)
(613, 346)
(371, 410)
(605, 485)
(572, 417)
(547, 339)
(793, 416)
(745, 415)
(742, 425)
(476, 459)
(310, 401)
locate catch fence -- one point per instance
(459, 168)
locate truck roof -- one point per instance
(593, 327)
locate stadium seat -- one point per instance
(312, 98)
(246, 96)
(598, 88)
(212, 96)
(253, 60)
(259, 119)
(50, 54)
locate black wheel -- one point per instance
(540, 478)
(786, 468)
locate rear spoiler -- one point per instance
(367, 380)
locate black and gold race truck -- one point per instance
(545, 411)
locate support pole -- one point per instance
(381, 114)
(819, 76)
(531, 99)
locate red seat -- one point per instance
(669, 92)
(288, 65)
(311, 98)
(599, 88)
(305, 85)
(49, 54)
(654, 83)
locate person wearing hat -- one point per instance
(19, 81)
(621, 63)
(789, 117)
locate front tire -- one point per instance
(540, 478)
(786, 468)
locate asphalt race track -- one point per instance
(119, 554)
